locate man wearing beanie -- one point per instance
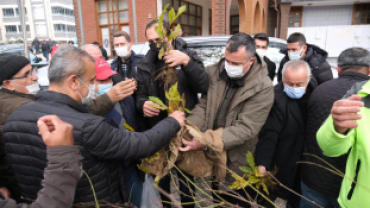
(18, 87)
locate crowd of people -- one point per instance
(97, 117)
(47, 47)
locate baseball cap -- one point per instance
(103, 69)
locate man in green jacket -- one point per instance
(345, 130)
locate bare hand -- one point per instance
(344, 113)
(150, 111)
(175, 58)
(54, 131)
(122, 90)
(191, 145)
(5, 192)
(179, 116)
(261, 170)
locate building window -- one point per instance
(64, 28)
(361, 14)
(295, 17)
(234, 24)
(112, 15)
(11, 29)
(57, 10)
(41, 30)
(191, 19)
(20, 28)
(9, 12)
(210, 21)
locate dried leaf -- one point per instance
(128, 127)
(265, 188)
(172, 15)
(142, 169)
(246, 169)
(156, 100)
(161, 53)
(183, 100)
(157, 179)
(250, 160)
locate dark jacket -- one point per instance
(281, 139)
(319, 107)
(192, 79)
(103, 52)
(45, 47)
(35, 43)
(116, 65)
(9, 102)
(60, 179)
(316, 59)
(51, 44)
(129, 110)
(104, 147)
(271, 66)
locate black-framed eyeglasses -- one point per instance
(29, 75)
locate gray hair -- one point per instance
(354, 58)
(87, 46)
(295, 65)
(242, 40)
(66, 61)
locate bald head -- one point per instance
(92, 50)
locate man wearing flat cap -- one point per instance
(19, 86)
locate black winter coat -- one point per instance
(116, 65)
(192, 79)
(319, 107)
(280, 141)
(271, 66)
(316, 59)
(104, 147)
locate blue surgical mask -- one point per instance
(104, 88)
(294, 93)
(295, 55)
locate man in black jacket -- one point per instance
(281, 138)
(319, 184)
(192, 79)
(72, 74)
(103, 51)
(299, 49)
(262, 42)
(45, 50)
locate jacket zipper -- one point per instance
(353, 185)
(222, 103)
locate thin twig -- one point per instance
(170, 196)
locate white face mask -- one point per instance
(295, 55)
(122, 51)
(32, 89)
(234, 72)
(90, 96)
(261, 52)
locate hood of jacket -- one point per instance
(312, 51)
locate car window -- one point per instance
(277, 45)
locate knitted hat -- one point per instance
(11, 64)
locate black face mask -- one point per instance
(153, 47)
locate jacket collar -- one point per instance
(311, 51)
(354, 75)
(118, 59)
(30, 96)
(61, 99)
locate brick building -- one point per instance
(278, 18)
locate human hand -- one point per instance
(54, 131)
(261, 170)
(122, 90)
(175, 58)
(344, 113)
(150, 111)
(191, 145)
(5, 192)
(179, 116)
(133, 80)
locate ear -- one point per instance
(340, 70)
(73, 82)
(7, 85)
(368, 71)
(252, 60)
(309, 78)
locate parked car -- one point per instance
(18, 49)
(212, 48)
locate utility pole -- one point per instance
(24, 27)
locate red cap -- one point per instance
(103, 70)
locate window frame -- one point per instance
(366, 11)
(232, 27)
(11, 32)
(13, 9)
(294, 10)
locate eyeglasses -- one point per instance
(28, 75)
